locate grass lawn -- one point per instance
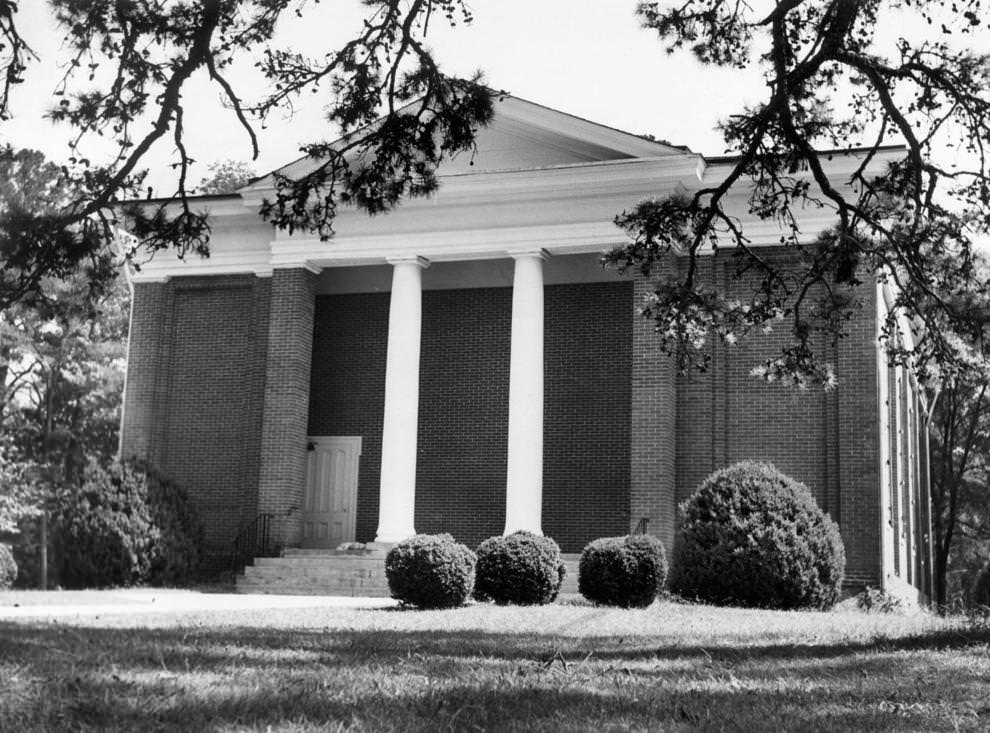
(566, 667)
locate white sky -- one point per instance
(586, 57)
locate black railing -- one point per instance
(642, 526)
(253, 540)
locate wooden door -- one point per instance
(331, 491)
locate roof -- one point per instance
(524, 136)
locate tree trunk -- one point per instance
(941, 570)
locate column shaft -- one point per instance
(397, 497)
(524, 472)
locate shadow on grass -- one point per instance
(218, 648)
(69, 677)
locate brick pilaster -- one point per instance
(282, 474)
(859, 450)
(144, 345)
(653, 435)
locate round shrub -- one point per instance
(751, 536)
(623, 571)
(430, 571)
(522, 568)
(8, 567)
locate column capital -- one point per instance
(408, 260)
(517, 254)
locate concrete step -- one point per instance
(286, 589)
(327, 572)
(303, 562)
(312, 574)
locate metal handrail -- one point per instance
(253, 540)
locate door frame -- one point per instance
(350, 441)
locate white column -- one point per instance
(524, 475)
(397, 497)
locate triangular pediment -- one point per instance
(527, 136)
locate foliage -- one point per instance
(63, 358)
(8, 567)
(877, 600)
(960, 482)
(128, 66)
(913, 224)
(176, 556)
(225, 177)
(123, 526)
(623, 571)
(104, 535)
(752, 536)
(979, 594)
(521, 568)
(19, 497)
(430, 571)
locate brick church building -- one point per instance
(464, 364)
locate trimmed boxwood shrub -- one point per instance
(124, 525)
(430, 571)
(623, 571)
(521, 568)
(8, 567)
(752, 536)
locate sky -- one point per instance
(589, 58)
(586, 57)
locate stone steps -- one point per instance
(333, 573)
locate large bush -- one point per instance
(124, 525)
(8, 567)
(430, 571)
(752, 536)
(522, 568)
(623, 571)
(176, 556)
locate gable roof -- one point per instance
(524, 135)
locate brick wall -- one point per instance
(195, 376)
(829, 441)
(587, 419)
(463, 417)
(463, 413)
(347, 386)
(616, 416)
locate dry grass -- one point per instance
(567, 667)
